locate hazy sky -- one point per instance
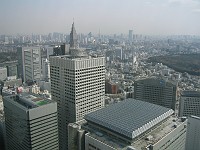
(110, 16)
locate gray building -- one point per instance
(130, 36)
(12, 70)
(11, 67)
(156, 91)
(189, 103)
(193, 133)
(29, 59)
(129, 125)
(3, 74)
(30, 123)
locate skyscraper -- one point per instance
(30, 122)
(193, 133)
(156, 91)
(29, 63)
(189, 104)
(78, 86)
(130, 36)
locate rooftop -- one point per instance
(147, 139)
(31, 100)
(75, 57)
(130, 117)
(190, 93)
(157, 81)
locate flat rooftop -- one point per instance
(130, 117)
(157, 81)
(74, 57)
(190, 93)
(146, 139)
(31, 100)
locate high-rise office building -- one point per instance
(78, 86)
(130, 36)
(189, 104)
(29, 59)
(193, 133)
(129, 125)
(30, 123)
(156, 91)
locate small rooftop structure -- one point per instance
(190, 93)
(30, 101)
(129, 118)
(76, 57)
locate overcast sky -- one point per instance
(110, 16)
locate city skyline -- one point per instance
(143, 17)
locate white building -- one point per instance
(193, 133)
(189, 104)
(78, 86)
(45, 69)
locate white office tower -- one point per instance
(129, 125)
(45, 69)
(193, 133)
(29, 63)
(189, 104)
(78, 86)
(31, 123)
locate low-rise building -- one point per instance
(129, 125)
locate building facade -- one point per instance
(156, 91)
(29, 67)
(189, 104)
(78, 86)
(30, 123)
(130, 36)
(193, 133)
(3, 74)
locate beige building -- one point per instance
(78, 86)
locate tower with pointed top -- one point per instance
(77, 85)
(73, 38)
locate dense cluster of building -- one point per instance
(107, 98)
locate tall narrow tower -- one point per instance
(73, 38)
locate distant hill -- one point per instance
(189, 63)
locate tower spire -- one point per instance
(73, 37)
